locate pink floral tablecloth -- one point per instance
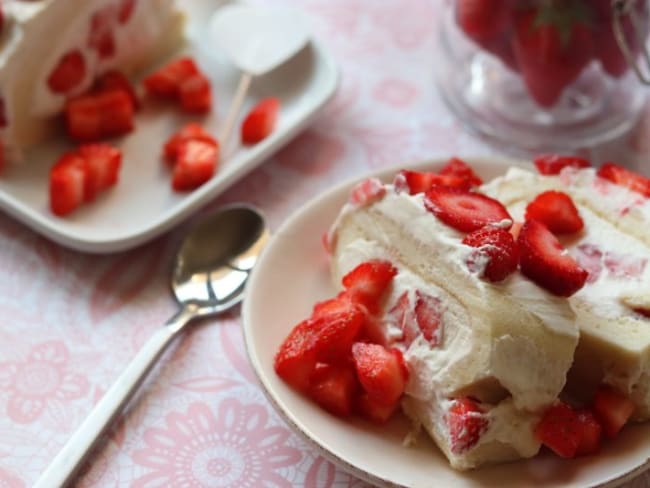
(70, 322)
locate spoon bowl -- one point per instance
(209, 275)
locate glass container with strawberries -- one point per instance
(544, 75)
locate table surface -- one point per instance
(71, 322)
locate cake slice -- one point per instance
(52, 50)
(613, 308)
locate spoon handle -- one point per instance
(70, 458)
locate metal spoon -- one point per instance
(210, 270)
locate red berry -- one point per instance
(260, 121)
(379, 371)
(556, 211)
(543, 259)
(418, 182)
(459, 168)
(196, 94)
(552, 164)
(463, 210)
(368, 282)
(483, 20)
(612, 409)
(67, 183)
(104, 163)
(68, 73)
(624, 177)
(373, 410)
(334, 388)
(591, 433)
(498, 247)
(96, 116)
(295, 361)
(166, 82)
(191, 131)
(196, 162)
(428, 314)
(560, 430)
(116, 80)
(467, 423)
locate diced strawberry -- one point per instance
(560, 430)
(419, 182)
(428, 316)
(196, 162)
(556, 211)
(116, 80)
(334, 388)
(375, 411)
(591, 434)
(337, 324)
(68, 73)
(459, 168)
(543, 259)
(624, 177)
(498, 247)
(368, 282)
(612, 409)
(402, 314)
(367, 191)
(117, 110)
(467, 423)
(67, 183)
(191, 131)
(464, 210)
(552, 164)
(95, 116)
(104, 163)
(379, 371)
(295, 361)
(260, 121)
(195, 94)
(125, 12)
(166, 82)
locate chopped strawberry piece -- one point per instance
(418, 182)
(373, 410)
(343, 302)
(125, 12)
(379, 371)
(195, 94)
(68, 73)
(428, 317)
(334, 388)
(196, 162)
(459, 168)
(552, 164)
(591, 433)
(467, 423)
(624, 177)
(117, 112)
(95, 116)
(463, 210)
(116, 80)
(612, 409)
(191, 131)
(295, 361)
(543, 259)
(556, 211)
(367, 191)
(337, 325)
(560, 430)
(368, 282)
(104, 163)
(496, 248)
(67, 183)
(166, 82)
(260, 121)
(402, 314)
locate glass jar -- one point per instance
(543, 75)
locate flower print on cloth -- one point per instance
(232, 447)
(40, 381)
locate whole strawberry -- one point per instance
(552, 44)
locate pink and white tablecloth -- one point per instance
(70, 322)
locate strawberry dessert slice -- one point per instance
(556, 211)
(496, 248)
(260, 121)
(68, 180)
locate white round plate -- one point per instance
(291, 275)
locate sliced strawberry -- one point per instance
(467, 423)
(196, 162)
(552, 164)
(191, 131)
(166, 81)
(84, 118)
(67, 183)
(260, 121)
(402, 314)
(418, 182)
(556, 211)
(116, 80)
(612, 409)
(334, 388)
(428, 316)
(195, 94)
(295, 361)
(560, 430)
(367, 191)
(459, 168)
(496, 248)
(68, 73)
(543, 259)
(117, 112)
(336, 330)
(591, 433)
(379, 371)
(104, 163)
(126, 9)
(368, 282)
(624, 177)
(375, 411)
(464, 210)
